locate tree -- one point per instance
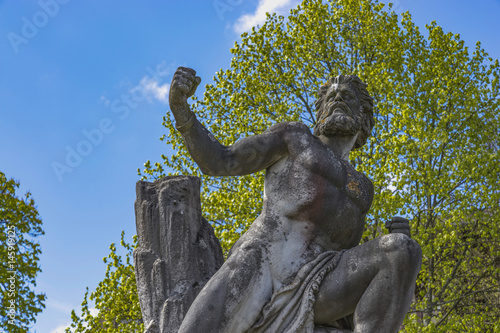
(433, 156)
(19, 253)
(115, 299)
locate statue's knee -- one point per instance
(402, 250)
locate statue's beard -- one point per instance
(337, 120)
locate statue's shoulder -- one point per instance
(290, 128)
(295, 135)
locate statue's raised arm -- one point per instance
(246, 156)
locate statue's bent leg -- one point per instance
(375, 281)
(233, 298)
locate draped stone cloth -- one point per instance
(290, 309)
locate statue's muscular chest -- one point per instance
(312, 185)
(330, 180)
(323, 194)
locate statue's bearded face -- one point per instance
(341, 111)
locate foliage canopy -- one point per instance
(19, 254)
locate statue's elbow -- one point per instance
(219, 168)
(206, 171)
(210, 171)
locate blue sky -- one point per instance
(83, 88)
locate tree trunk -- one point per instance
(177, 251)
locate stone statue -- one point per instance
(299, 267)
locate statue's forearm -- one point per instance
(182, 112)
(203, 147)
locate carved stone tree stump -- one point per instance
(177, 251)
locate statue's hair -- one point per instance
(366, 100)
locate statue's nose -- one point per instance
(338, 98)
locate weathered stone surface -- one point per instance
(177, 250)
(299, 267)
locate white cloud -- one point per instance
(93, 312)
(152, 90)
(246, 22)
(149, 87)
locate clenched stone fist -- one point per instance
(183, 86)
